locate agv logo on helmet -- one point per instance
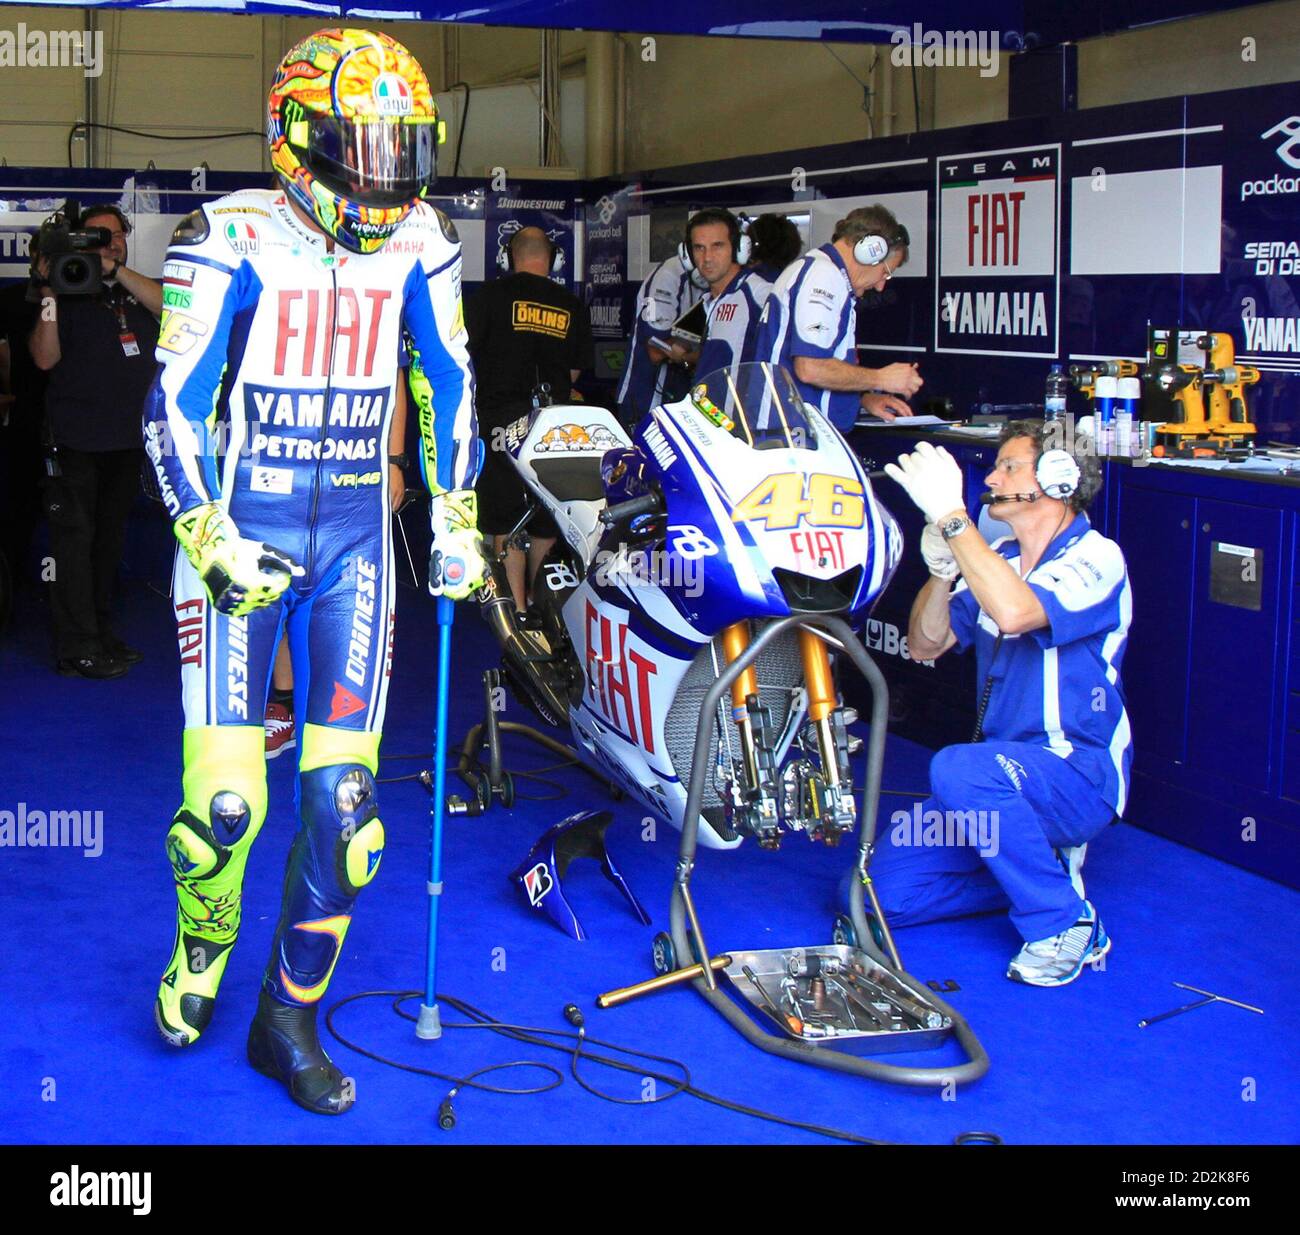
(392, 95)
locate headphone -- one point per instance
(742, 248)
(506, 255)
(874, 247)
(1058, 474)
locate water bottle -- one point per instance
(1057, 386)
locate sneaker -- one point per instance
(1071, 857)
(1060, 959)
(279, 729)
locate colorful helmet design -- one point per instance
(353, 128)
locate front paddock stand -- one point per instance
(899, 1012)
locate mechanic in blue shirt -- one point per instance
(658, 366)
(720, 249)
(809, 322)
(1047, 609)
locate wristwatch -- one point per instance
(954, 526)
(403, 461)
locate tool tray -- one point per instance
(860, 1006)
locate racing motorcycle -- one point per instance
(734, 507)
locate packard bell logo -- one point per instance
(1286, 151)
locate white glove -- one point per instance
(932, 479)
(938, 557)
(457, 566)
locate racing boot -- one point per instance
(283, 1045)
(335, 853)
(207, 846)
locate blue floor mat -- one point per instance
(81, 1061)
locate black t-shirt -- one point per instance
(17, 317)
(524, 329)
(96, 392)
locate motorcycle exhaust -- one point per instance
(522, 658)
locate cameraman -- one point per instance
(98, 350)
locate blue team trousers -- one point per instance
(986, 838)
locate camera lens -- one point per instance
(75, 272)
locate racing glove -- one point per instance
(457, 567)
(938, 557)
(932, 479)
(240, 575)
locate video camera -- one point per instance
(74, 270)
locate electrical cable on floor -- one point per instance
(529, 1034)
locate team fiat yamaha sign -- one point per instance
(998, 290)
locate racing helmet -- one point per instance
(352, 127)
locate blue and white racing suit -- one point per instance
(279, 362)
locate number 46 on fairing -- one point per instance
(783, 501)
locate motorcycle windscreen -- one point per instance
(758, 404)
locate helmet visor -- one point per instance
(381, 162)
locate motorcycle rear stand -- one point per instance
(498, 785)
(684, 919)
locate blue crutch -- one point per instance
(429, 1024)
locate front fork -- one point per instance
(816, 798)
(752, 807)
(820, 799)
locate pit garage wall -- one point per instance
(156, 200)
(1059, 238)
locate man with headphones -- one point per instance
(809, 322)
(524, 329)
(1047, 609)
(720, 250)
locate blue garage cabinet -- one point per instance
(1212, 670)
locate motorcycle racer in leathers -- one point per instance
(288, 316)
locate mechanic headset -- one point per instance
(742, 248)
(1058, 474)
(874, 247)
(506, 255)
